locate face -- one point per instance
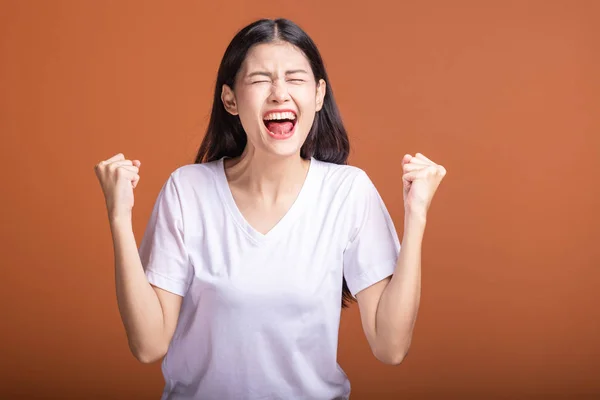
(276, 97)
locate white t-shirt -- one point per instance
(260, 314)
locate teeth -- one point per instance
(280, 115)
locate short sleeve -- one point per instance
(373, 249)
(162, 251)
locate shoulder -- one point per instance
(348, 179)
(190, 175)
(193, 187)
(189, 182)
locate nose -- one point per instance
(279, 92)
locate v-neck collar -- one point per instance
(296, 209)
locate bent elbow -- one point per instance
(392, 357)
(398, 359)
(147, 356)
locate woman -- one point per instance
(248, 252)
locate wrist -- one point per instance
(415, 221)
(415, 215)
(119, 219)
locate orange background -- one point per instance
(504, 94)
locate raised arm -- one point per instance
(149, 314)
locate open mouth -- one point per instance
(280, 123)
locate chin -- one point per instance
(284, 147)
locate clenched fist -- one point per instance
(118, 177)
(421, 178)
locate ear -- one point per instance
(228, 99)
(321, 88)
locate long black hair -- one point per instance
(225, 137)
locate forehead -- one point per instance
(274, 57)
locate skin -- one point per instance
(265, 180)
(267, 177)
(388, 309)
(260, 181)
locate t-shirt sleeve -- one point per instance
(373, 249)
(162, 251)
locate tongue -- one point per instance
(279, 128)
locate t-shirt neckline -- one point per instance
(296, 209)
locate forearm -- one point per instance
(138, 303)
(399, 304)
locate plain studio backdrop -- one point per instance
(504, 94)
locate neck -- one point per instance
(267, 176)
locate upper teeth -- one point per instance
(280, 115)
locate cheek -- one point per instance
(305, 98)
(307, 102)
(249, 103)
(245, 98)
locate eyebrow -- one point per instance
(290, 72)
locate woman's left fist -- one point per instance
(420, 180)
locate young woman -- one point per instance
(251, 252)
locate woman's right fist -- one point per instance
(118, 177)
